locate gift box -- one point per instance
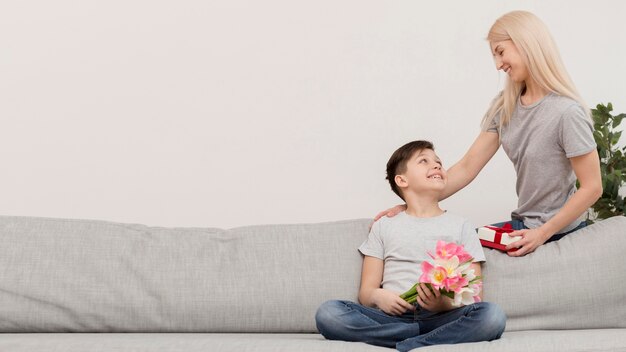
(497, 237)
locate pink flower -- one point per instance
(434, 275)
(455, 283)
(476, 287)
(448, 250)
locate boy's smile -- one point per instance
(436, 176)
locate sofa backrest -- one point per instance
(60, 275)
(578, 282)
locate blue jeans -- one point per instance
(519, 225)
(349, 321)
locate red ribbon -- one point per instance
(507, 228)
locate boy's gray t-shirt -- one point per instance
(403, 241)
(539, 139)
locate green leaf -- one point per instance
(616, 136)
(617, 120)
(603, 144)
(605, 214)
(601, 115)
(597, 135)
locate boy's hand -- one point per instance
(391, 212)
(431, 300)
(391, 303)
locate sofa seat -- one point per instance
(522, 341)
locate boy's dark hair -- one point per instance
(399, 159)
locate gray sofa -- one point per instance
(82, 285)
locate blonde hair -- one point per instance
(541, 56)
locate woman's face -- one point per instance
(509, 60)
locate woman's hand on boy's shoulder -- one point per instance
(391, 212)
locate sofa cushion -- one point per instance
(516, 341)
(177, 342)
(578, 282)
(93, 276)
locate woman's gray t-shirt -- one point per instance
(539, 139)
(403, 242)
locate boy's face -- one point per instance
(424, 172)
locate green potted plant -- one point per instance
(612, 162)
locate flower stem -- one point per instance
(411, 292)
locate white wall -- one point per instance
(237, 112)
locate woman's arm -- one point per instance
(370, 293)
(587, 170)
(466, 169)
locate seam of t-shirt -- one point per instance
(535, 104)
(368, 253)
(580, 152)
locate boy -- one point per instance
(392, 257)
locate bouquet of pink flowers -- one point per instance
(451, 274)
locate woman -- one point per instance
(545, 129)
